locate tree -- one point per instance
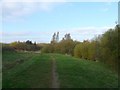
(57, 37)
(67, 46)
(104, 48)
(35, 43)
(48, 48)
(7, 47)
(78, 50)
(28, 46)
(29, 42)
(67, 36)
(109, 47)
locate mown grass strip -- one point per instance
(79, 73)
(33, 73)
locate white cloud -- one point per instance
(79, 34)
(87, 30)
(76, 31)
(9, 34)
(23, 33)
(15, 9)
(12, 11)
(8, 37)
(83, 33)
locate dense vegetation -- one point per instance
(24, 46)
(103, 48)
(34, 70)
(65, 46)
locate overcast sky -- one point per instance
(37, 20)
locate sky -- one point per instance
(37, 21)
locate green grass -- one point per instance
(84, 74)
(32, 73)
(11, 59)
(35, 72)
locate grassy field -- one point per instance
(33, 70)
(84, 74)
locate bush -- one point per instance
(7, 47)
(103, 48)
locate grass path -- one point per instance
(54, 71)
(55, 83)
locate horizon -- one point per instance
(51, 39)
(38, 21)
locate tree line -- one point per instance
(64, 46)
(21, 46)
(103, 48)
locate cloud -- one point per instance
(13, 10)
(83, 33)
(87, 30)
(11, 34)
(80, 34)
(76, 31)
(23, 33)
(7, 37)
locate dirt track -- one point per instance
(55, 82)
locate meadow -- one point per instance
(34, 70)
(59, 44)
